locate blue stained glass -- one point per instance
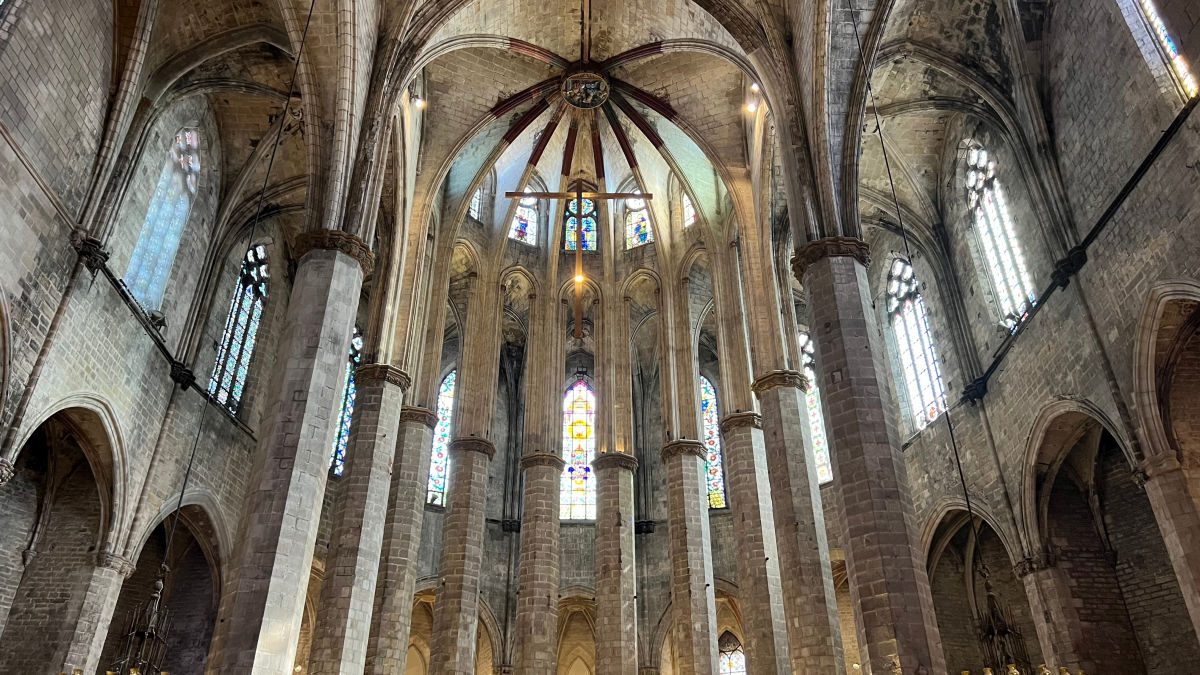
(524, 223)
(349, 394)
(577, 493)
(232, 364)
(589, 225)
(1178, 65)
(714, 475)
(637, 223)
(439, 461)
(150, 263)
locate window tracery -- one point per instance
(637, 223)
(439, 459)
(714, 475)
(731, 657)
(349, 394)
(1001, 249)
(589, 224)
(816, 419)
(232, 365)
(525, 221)
(914, 342)
(158, 242)
(577, 493)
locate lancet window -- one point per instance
(349, 393)
(816, 420)
(637, 223)
(689, 211)
(914, 342)
(588, 214)
(439, 459)
(1168, 48)
(525, 221)
(577, 494)
(731, 657)
(154, 254)
(1000, 247)
(476, 207)
(710, 416)
(228, 380)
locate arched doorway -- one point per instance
(190, 593)
(1110, 579)
(56, 509)
(982, 611)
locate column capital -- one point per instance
(741, 419)
(1030, 564)
(683, 446)
(118, 563)
(385, 372)
(1159, 464)
(779, 378)
(829, 247)
(543, 459)
(425, 416)
(473, 444)
(336, 240)
(7, 471)
(615, 460)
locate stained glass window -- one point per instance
(150, 265)
(577, 494)
(349, 393)
(914, 342)
(816, 420)
(689, 211)
(714, 475)
(439, 460)
(524, 223)
(1170, 51)
(589, 224)
(731, 658)
(476, 204)
(241, 329)
(637, 223)
(1001, 249)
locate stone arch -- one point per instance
(5, 350)
(1164, 334)
(577, 631)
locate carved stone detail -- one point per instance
(473, 444)
(412, 413)
(743, 419)
(336, 240)
(93, 253)
(374, 372)
(683, 446)
(1029, 565)
(779, 378)
(7, 471)
(118, 563)
(829, 247)
(615, 460)
(182, 375)
(543, 459)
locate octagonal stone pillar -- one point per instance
(537, 580)
(616, 566)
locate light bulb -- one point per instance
(420, 103)
(751, 107)
(754, 87)
(579, 278)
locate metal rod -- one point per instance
(585, 195)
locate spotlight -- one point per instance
(419, 102)
(751, 107)
(754, 87)
(579, 278)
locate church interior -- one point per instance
(599, 337)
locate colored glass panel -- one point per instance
(714, 475)
(731, 658)
(816, 419)
(349, 393)
(158, 242)
(914, 342)
(476, 204)
(689, 211)
(1001, 250)
(570, 236)
(637, 223)
(232, 366)
(439, 460)
(1179, 66)
(525, 220)
(577, 493)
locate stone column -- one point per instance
(537, 582)
(692, 600)
(888, 582)
(348, 594)
(456, 611)
(1167, 489)
(85, 641)
(814, 632)
(616, 566)
(391, 620)
(263, 600)
(1054, 613)
(760, 590)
